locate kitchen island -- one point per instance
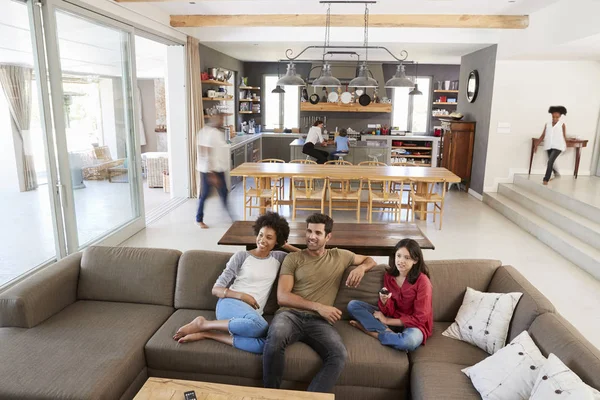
(359, 151)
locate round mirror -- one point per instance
(472, 86)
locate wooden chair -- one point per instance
(423, 193)
(395, 185)
(338, 162)
(341, 189)
(262, 191)
(308, 188)
(372, 163)
(278, 182)
(302, 161)
(382, 196)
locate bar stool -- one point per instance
(375, 157)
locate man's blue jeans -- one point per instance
(246, 326)
(292, 326)
(205, 186)
(407, 340)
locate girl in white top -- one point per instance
(555, 139)
(243, 289)
(315, 137)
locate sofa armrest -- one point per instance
(41, 295)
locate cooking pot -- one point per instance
(364, 99)
(213, 72)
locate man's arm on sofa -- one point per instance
(41, 295)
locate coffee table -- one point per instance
(364, 239)
(173, 389)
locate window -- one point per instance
(281, 110)
(412, 113)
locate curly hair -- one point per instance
(557, 109)
(416, 254)
(277, 223)
(317, 218)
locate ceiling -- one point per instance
(85, 48)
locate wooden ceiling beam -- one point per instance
(355, 20)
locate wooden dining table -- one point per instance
(421, 175)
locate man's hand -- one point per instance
(330, 314)
(379, 315)
(251, 301)
(355, 277)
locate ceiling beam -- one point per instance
(355, 20)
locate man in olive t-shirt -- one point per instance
(308, 284)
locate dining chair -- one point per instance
(423, 193)
(310, 189)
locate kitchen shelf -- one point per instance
(248, 112)
(250, 100)
(445, 104)
(335, 107)
(411, 148)
(223, 114)
(213, 82)
(217, 98)
(442, 116)
(445, 91)
(412, 156)
(249, 88)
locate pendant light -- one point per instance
(278, 88)
(416, 91)
(327, 79)
(363, 79)
(290, 78)
(399, 79)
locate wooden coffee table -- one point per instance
(364, 239)
(173, 389)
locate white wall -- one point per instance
(523, 91)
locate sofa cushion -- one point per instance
(366, 357)
(553, 334)
(128, 274)
(197, 273)
(367, 291)
(438, 380)
(445, 350)
(90, 350)
(450, 279)
(533, 303)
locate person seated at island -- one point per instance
(313, 138)
(341, 144)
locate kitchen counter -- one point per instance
(241, 140)
(331, 147)
(359, 151)
(397, 153)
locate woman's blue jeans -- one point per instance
(246, 326)
(407, 340)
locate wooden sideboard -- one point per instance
(457, 148)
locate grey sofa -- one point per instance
(96, 324)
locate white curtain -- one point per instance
(16, 83)
(195, 113)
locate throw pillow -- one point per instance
(556, 381)
(510, 373)
(483, 319)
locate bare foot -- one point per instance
(195, 326)
(202, 225)
(358, 325)
(545, 183)
(193, 337)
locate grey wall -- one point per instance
(484, 61)
(148, 113)
(210, 58)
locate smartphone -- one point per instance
(191, 395)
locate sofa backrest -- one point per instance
(553, 334)
(128, 274)
(197, 273)
(450, 279)
(367, 291)
(533, 303)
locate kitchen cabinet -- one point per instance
(457, 148)
(277, 146)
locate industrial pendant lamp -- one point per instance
(290, 78)
(363, 79)
(278, 88)
(326, 79)
(399, 79)
(416, 91)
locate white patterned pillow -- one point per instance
(556, 381)
(510, 373)
(483, 319)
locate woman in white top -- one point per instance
(315, 137)
(555, 139)
(243, 289)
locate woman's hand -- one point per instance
(384, 297)
(251, 301)
(379, 315)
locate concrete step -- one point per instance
(579, 207)
(568, 246)
(570, 222)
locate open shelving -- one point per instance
(214, 82)
(249, 88)
(217, 99)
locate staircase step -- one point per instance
(577, 206)
(570, 222)
(571, 248)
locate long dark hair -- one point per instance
(416, 254)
